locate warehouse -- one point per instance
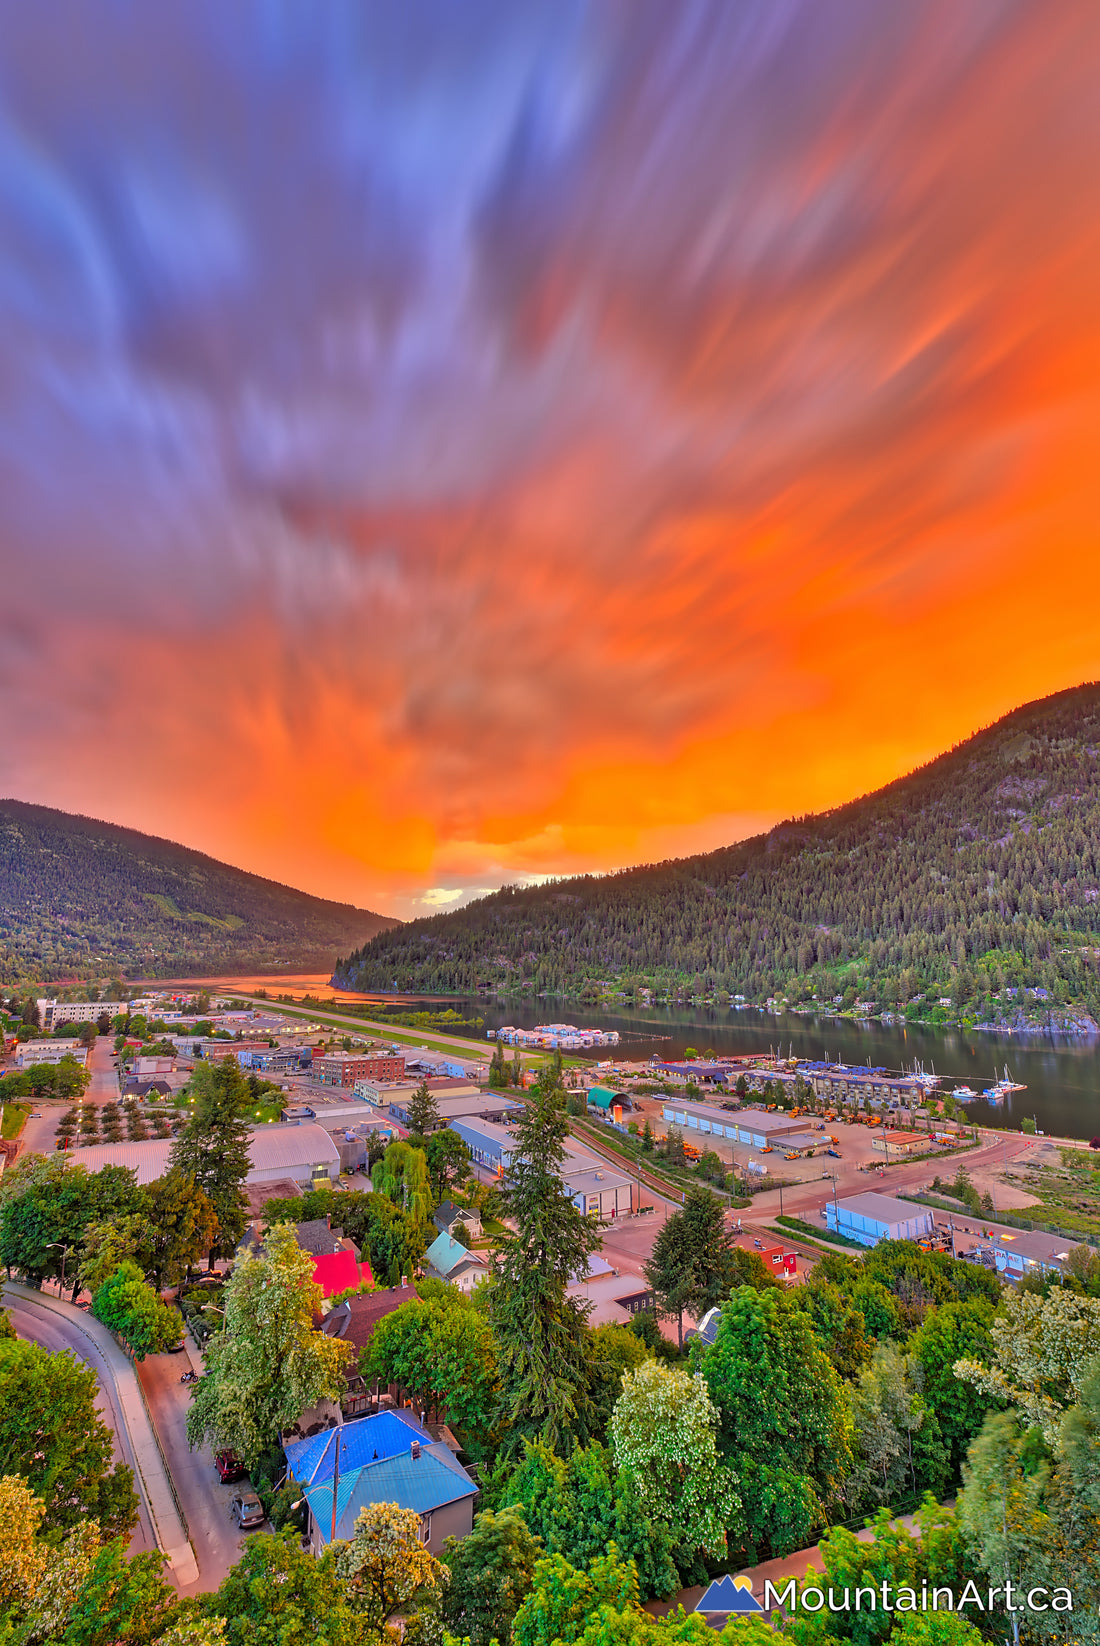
(753, 1126)
(870, 1218)
(304, 1154)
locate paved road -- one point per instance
(36, 1327)
(215, 1538)
(103, 1087)
(43, 1318)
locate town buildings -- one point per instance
(345, 1068)
(32, 1052)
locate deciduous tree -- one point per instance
(1043, 1348)
(490, 1574)
(127, 1305)
(268, 1364)
(664, 1435)
(52, 1436)
(279, 1595)
(442, 1351)
(384, 1566)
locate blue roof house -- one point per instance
(387, 1458)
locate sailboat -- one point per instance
(1002, 1086)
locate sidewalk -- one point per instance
(150, 1472)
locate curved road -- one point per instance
(42, 1318)
(55, 1334)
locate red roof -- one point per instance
(339, 1272)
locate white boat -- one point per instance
(964, 1094)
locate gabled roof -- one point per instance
(317, 1237)
(339, 1272)
(446, 1255)
(358, 1316)
(364, 1440)
(389, 1473)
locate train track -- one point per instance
(668, 1191)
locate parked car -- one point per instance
(229, 1466)
(247, 1510)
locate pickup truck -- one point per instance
(834, 1152)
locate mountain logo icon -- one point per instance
(729, 1594)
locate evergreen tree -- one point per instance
(424, 1116)
(693, 1266)
(213, 1147)
(540, 1331)
(498, 1073)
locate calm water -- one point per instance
(1062, 1076)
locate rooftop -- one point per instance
(882, 1208)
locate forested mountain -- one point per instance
(80, 898)
(976, 877)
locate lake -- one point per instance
(1062, 1076)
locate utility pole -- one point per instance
(335, 1484)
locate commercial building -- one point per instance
(387, 1458)
(54, 1014)
(599, 1191)
(305, 1155)
(490, 1145)
(32, 1052)
(752, 1126)
(345, 1068)
(870, 1218)
(383, 1092)
(455, 1099)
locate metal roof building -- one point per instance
(303, 1154)
(753, 1126)
(871, 1217)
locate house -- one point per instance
(869, 1218)
(146, 1088)
(448, 1260)
(449, 1216)
(340, 1271)
(354, 1321)
(612, 1299)
(388, 1457)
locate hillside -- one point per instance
(81, 898)
(976, 877)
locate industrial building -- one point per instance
(871, 1217)
(1019, 1252)
(491, 1145)
(598, 1190)
(305, 1155)
(752, 1126)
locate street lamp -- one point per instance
(56, 1245)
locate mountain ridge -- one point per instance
(83, 897)
(972, 875)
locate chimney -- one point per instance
(415, 1450)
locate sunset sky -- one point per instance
(446, 443)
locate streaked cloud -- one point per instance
(448, 445)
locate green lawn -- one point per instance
(15, 1115)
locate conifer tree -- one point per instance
(213, 1148)
(424, 1116)
(540, 1331)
